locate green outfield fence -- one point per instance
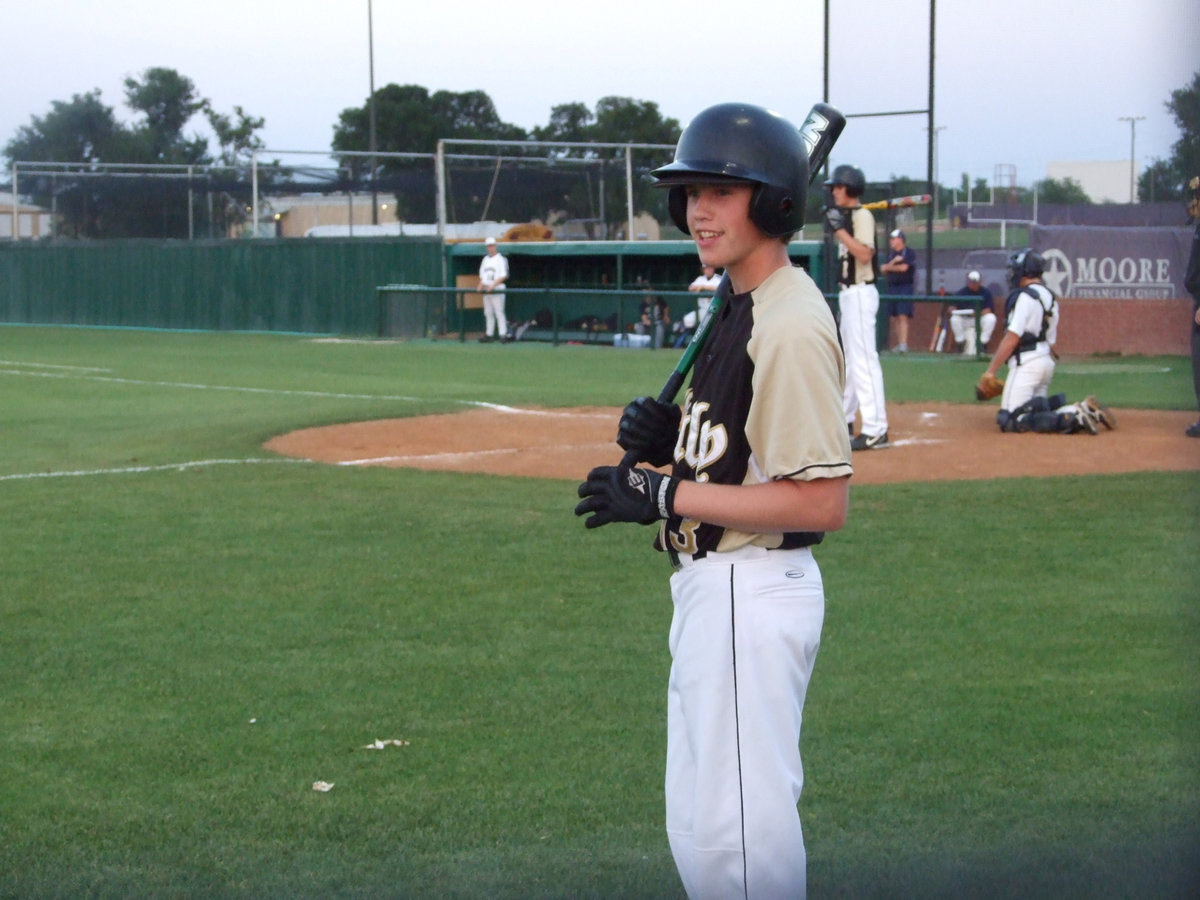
(324, 286)
(388, 287)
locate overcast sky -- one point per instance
(1018, 82)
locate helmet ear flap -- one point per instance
(773, 210)
(677, 207)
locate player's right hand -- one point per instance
(622, 494)
(650, 429)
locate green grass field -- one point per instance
(194, 632)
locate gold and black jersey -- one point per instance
(765, 402)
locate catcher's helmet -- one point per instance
(849, 176)
(1026, 263)
(742, 143)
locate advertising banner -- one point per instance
(1114, 263)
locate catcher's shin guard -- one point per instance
(1045, 422)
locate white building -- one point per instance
(32, 221)
(1104, 181)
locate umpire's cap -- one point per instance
(743, 143)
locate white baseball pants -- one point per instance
(1028, 380)
(962, 324)
(744, 638)
(863, 394)
(493, 312)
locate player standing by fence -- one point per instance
(901, 271)
(493, 272)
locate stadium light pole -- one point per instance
(1132, 120)
(371, 114)
(937, 131)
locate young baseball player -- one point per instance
(493, 272)
(858, 301)
(759, 467)
(1028, 348)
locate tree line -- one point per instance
(408, 119)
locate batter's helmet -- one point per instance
(849, 176)
(742, 143)
(1026, 263)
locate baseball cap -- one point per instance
(973, 276)
(489, 242)
(897, 234)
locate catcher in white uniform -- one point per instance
(760, 465)
(1028, 347)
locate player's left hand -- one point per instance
(988, 386)
(650, 429)
(622, 494)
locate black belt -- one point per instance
(748, 550)
(859, 284)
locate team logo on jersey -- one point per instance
(701, 443)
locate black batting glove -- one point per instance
(835, 218)
(650, 429)
(622, 494)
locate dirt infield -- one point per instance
(930, 442)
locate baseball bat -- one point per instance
(899, 202)
(820, 130)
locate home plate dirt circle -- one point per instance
(929, 442)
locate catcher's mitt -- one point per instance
(988, 386)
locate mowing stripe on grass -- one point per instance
(1110, 369)
(481, 404)
(34, 365)
(112, 379)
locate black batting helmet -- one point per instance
(1025, 263)
(742, 143)
(849, 176)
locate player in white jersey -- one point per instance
(1028, 347)
(493, 272)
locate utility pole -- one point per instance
(371, 113)
(937, 130)
(1132, 120)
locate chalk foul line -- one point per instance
(136, 470)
